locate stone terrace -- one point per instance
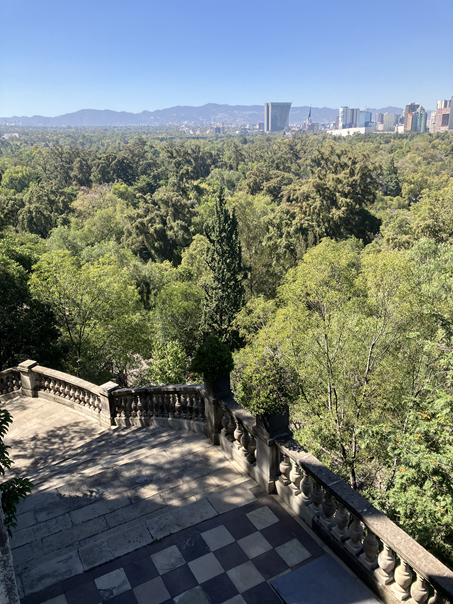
(146, 516)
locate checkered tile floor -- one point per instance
(227, 560)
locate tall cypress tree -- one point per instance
(224, 292)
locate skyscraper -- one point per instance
(409, 109)
(276, 116)
(442, 116)
(345, 118)
(416, 120)
(364, 118)
(355, 118)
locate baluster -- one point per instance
(98, 404)
(155, 403)
(370, 549)
(189, 406)
(317, 497)
(295, 477)
(77, 396)
(202, 416)
(167, 403)
(133, 407)
(196, 407)
(71, 393)
(140, 412)
(403, 579)
(354, 543)
(231, 429)
(52, 386)
(123, 407)
(118, 408)
(386, 563)
(340, 531)
(162, 405)
(225, 422)
(285, 469)
(419, 590)
(46, 385)
(329, 508)
(251, 457)
(245, 441)
(306, 486)
(437, 598)
(67, 391)
(129, 404)
(148, 410)
(172, 405)
(183, 400)
(238, 434)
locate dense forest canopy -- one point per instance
(337, 257)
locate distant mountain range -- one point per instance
(207, 114)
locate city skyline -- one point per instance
(147, 56)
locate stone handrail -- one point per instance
(10, 382)
(337, 513)
(275, 460)
(179, 406)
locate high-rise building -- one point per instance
(355, 118)
(409, 109)
(364, 118)
(389, 121)
(442, 116)
(345, 118)
(416, 120)
(379, 118)
(276, 116)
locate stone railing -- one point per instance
(386, 558)
(33, 380)
(393, 564)
(181, 407)
(10, 383)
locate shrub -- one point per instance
(212, 359)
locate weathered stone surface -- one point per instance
(232, 497)
(100, 508)
(101, 494)
(72, 536)
(112, 584)
(41, 530)
(52, 572)
(136, 510)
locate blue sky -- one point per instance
(61, 56)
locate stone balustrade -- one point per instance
(392, 564)
(388, 560)
(10, 383)
(181, 407)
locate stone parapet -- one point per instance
(339, 515)
(362, 536)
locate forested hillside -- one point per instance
(340, 304)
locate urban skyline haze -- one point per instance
(57, 58)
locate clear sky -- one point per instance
(59, 56)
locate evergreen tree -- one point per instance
(392, 185)
(224, 291)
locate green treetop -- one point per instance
(224, 291)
